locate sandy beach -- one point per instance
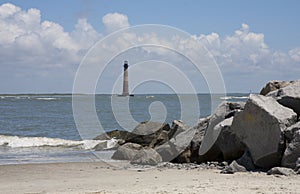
(103, 178)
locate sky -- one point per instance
(42, 43)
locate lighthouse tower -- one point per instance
(125, 80)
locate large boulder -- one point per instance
(180, 145)
(289, 96)
(274, 85)
(292, 152)
(227, 145)
(126, 151)
(246, 161)
(224, 111)
(149, 134)
(198, 138)
(146, 156)
(178, 148)
(260, 127)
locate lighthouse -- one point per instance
(125, 80)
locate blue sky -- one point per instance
(272, 25)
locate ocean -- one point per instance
(39, 128)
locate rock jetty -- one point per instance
(261, 134)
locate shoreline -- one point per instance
(99, 177)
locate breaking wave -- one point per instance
(25, 142)
(150, 96)
(44, 98)
(234, 97)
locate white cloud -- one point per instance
(84, 34)
(115, 21)
(8, 9)
(26, 41)
(295, 54)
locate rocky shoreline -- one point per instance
(262, 134)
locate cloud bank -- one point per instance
(32, 47)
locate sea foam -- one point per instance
(25, 142)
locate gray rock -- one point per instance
(281, 171)
(184, 157)
(198, 138)
(183, 140)
(290, 131)
(199, 134)
(233, 168)
(289, 96)
(146, 156)
(177, 127)
(126, 151)
(178, 148)
(147, 133)
(227, 145)
(273, 85)
(297, 168)
(117, 134)
(224, 110)
(101, 146)
(260, 127)
(292, 152)
(246, 161)
(166, 152)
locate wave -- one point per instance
(15, 97)
(234, 97)
(149, 96)
(29, 97)
(26, 142)
(47, 98)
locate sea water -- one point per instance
(41, 128)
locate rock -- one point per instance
(246, 161)
(147, 133)
(166, 152)
(273, 85)
(227, 145)
(290, 131)
(184, 157)
(289, 96)
(297, 168)
(233, 167)
(281, 171)
(177, 127)
(178, 148)
(117, 134)
(292, 152)
(126, 151)
(198, 138)
(183, 140)
(101, 146)
(162, 138)
(224, 110)
(260, 127)
(146, 156)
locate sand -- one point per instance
(102, 178)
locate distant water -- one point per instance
(41, 128)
